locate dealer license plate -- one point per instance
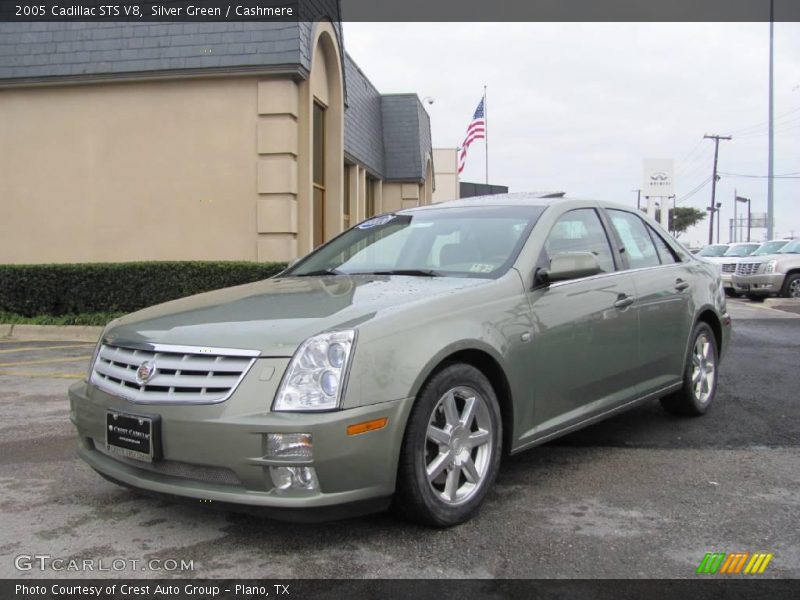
(131, 436)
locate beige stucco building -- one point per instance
(206, 141)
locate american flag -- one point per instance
(476, 130)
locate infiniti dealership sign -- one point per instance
(659, 177)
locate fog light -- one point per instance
(289, 445)
(294, 478)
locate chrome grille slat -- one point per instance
(747, 268)
(729, 267)
(182, 375)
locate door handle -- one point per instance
(681, 285)
(624, 301)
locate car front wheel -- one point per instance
(700, 376)
(791, 288)
(451, 450)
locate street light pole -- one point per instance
(771, 142)
(747, 200)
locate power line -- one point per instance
(691, 193)
(781, 176)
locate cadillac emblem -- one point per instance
(145, 372)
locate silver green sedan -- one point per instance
(397, 364)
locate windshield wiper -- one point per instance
(409, 272)
(319, 273)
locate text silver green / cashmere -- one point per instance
(399, 362)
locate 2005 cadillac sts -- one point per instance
(397, 363)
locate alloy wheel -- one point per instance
(458, 445)
(794, 289)
(703, 368)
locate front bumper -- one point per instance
(211, 455)
(727, 280)
(762, 285)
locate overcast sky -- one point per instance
(577, 106)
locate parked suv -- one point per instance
(727, 262)
(770, 275)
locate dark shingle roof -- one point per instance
(37, 51)
(363, 124)
(406, 137)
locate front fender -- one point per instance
(397, 352)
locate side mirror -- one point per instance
(572, 265)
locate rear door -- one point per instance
(585, 331)
(663, 292)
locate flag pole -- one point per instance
(486, 139)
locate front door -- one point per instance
(585, 332)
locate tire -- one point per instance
(465, 457)
(755, 298)
(702, 362)
(791, 287)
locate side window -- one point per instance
(665, 253)
(581, 231)
(639, 247)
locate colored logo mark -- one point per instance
(734, 563)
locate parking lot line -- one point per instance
(46, 362)
(32, 348)
(42, 375)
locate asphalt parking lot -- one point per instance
(642, 495)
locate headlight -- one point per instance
(770, 266)
(316, 376)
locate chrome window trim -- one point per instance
(621, 272)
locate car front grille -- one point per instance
(170, 374)
(729, 267)
(748, 268)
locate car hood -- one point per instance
(762, 258)
(275, 315)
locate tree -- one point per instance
(681, 218)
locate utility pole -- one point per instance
(638, 198)
(771, 143)
(712, 207)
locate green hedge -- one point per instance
(72, 289)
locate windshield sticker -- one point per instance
(481, 268)
(376, 222)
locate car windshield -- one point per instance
(790, 248)
(741, 250)
(480, 241)
(770, 247)
(715, 250)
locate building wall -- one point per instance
(130, 171)
(445, 161)
(210, 168)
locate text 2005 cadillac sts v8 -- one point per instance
(399, 361)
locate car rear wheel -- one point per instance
(700, 376)
(791, 287)
(451, 449)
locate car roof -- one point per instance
(540, 199)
